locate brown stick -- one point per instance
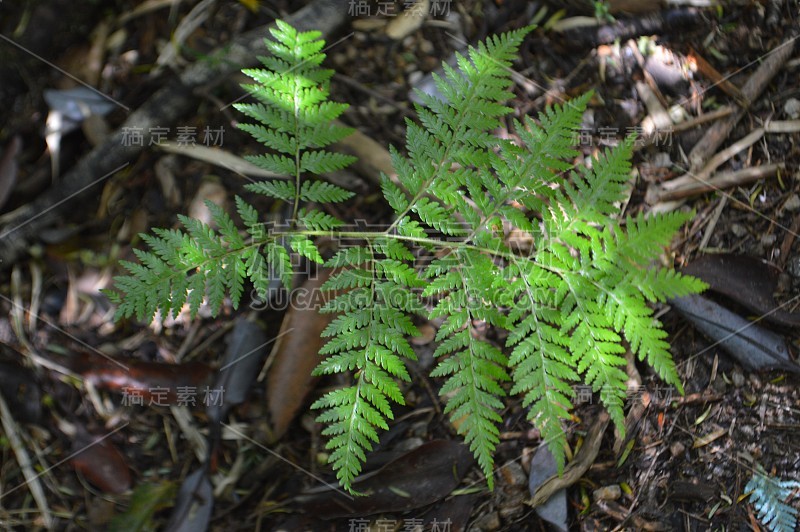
(717, 133)
(718, 79)
(22, 226)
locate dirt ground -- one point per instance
(669, 72)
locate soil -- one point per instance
(685, 460)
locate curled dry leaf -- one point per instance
(579, 465)
(554, 510)
(153, 381)
(296, 354)
(101, 463)
(247, 346)
(748, 342)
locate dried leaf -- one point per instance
(170, 54)
(579, 465)
(101, 463)
(217, 157)
(749, 281)
(194, 504)
(296, 354)
(409, 20)
(156, 382)
(752, 345)
(418, 478)
(247, 346)
(708, 438)
(210, 190)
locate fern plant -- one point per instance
(771, 497)
(572, 302)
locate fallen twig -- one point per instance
(693, 183)
(717, 133)
(720, 181)
(11, 430)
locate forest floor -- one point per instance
(79, 453)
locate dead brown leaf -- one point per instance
(296, 354)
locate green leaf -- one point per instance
(323, 192)
(146, 500)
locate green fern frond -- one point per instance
(572, 299)
(458, 127)
(296, 119)
(282, 190)
(543, 367)
(315, 220)
(369, 338)
(200, 263)
(474, 368)
(593, 191)
(322, 192)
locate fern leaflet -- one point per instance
(771, 497)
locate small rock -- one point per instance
(737, 378)
(426, 46)
(513, 474)
(794, 267)
(677, 448)
(409, 444)
(661, 160)
(513, 507)
(768, 240)
(487, 522)
(415, 77)
(792, 108)
(793, 203)
(607, 493)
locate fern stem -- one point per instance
(297, 104)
